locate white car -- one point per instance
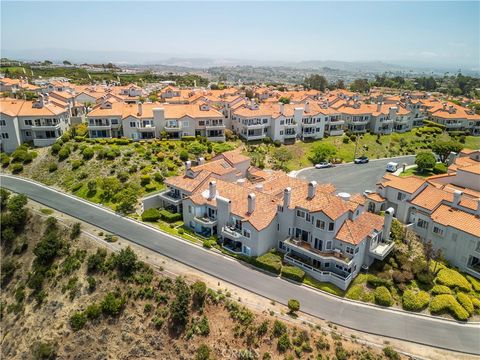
(323, 165)
(392, 167)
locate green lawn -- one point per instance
(414, 171)
(374, 147)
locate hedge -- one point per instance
(447, 303)
(169, 216)
(453, 279)
(475, 302)
(16, 168)
(151, 215)
(293, 273)
(415, 301)
(375, 281)
(439, 169)
(441, 289)
(382, 296)
(475, 283)
(465, 301)
(270, 262)
(188, 138)
(434, 124)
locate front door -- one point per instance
(318, 244)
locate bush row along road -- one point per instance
(440, 333)
(353, 178)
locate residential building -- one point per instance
(40, 122)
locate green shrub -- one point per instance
(55, 148)
(293, 273)
(453, 279)
(382, 296)
(270, 262)
(203, 352)
(441, 289)
(145, 179)
(78, 321)
(4, 159)
(52, 167)
(390, 353)
(465, 301)
(375, 281)
(188, 138)
(112, 304)
(88, 153)
(279, 328)
(439, 168)
(415, 301)
(16, 168)
(93, 311)
(293, 305)
(447, 303)
(283, 343)
(76, 164)
(64, 153)
(151, 215)
(475, 283)
(169, 216)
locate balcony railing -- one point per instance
(232, 232)
(305, 248)
(171, 196)
(206, 220)
(381, 250)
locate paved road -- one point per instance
(353, 178)
(425, 330)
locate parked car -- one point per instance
(323, 165)
(361, 160)
(392, 167)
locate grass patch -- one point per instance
(46, 211)
(324, 286)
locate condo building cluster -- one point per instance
(251, 211)
(284, 116)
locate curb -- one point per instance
(408, 313)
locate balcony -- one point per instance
(205, 220)
(216, 138)
(170, 196)
(173, 127)
(305, 248)
(254, 137)
(381, 250)
(256, 126)
(291, 125)
(306, 125)
(290, 135)
(146, 127)
(99, 126)
(44, 142)
(215, 126)
(455, 125)
(321, 275)
(308, 135)
(335, 132)
(231, 232)
(46, 126)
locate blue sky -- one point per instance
(444, 33)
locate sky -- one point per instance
(441, 33)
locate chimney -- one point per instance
(307, 107)
(212, 190)
(387, 224)
(281, 108)
(444, 106)
(201, 161)
(139, 112)
(457, 197)
(287, 195)
(379, 106)
(312, 187)
(251, 203)
(188, 165)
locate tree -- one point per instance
(293, 306)
(360, 85)
(282, 155)
(179, 309)
(284, 100)
(4, 194)
(425, 161)
(340, 84)
(110, 186)
(203, 352)
(126, 261)
(249, 93)
(66, 62)
(444, 148)
(316, 82)
(431, 254)
(126, 199)
(199, 293)
(322, 152)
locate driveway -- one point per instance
(451, 335)
(353, 178)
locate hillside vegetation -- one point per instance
(64, 297)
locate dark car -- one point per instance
(361, 160)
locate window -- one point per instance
(301, 213)
(114, 121)
(201, 123)
(246, 233)
(438, 231)
(190, 209)
(3, 123)
(281, 132)
(307, 217)
(422, 224)
(331, 226)
(133, 124)
(349, 250)
(28, 133)
(401, 196)
(4, 135)
(478, 247)
(327, 265)
(329, 245)
(357, 250)
(282, 122)
(280, 208)
(28, 122)
(185, 123)
(320, 224)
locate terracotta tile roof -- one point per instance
(431, 197)
(461, 162)
(358, 199)
(329, 204)
(265, 205)
(233, 156)
(375, 197)
(474, 168)
(186, 183)
(353, 232)
(14, 107)
(458, 219)
(218, 167)
(408, 184)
